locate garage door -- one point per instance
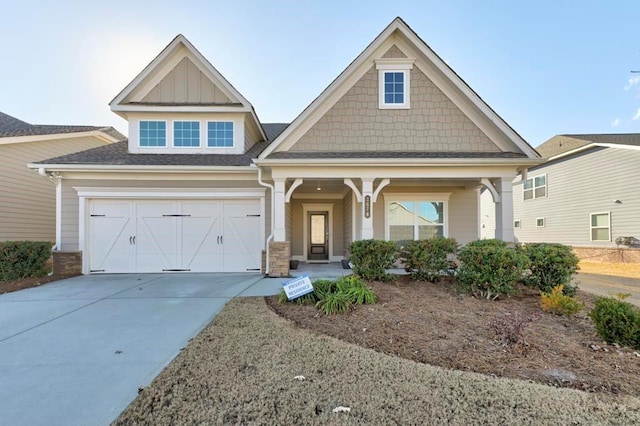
(174, 236)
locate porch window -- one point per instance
(601, 226)
(535, 187)
(415, 220)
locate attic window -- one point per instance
(153, 133)
(394, 80)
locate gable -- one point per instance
(186, 84)
(433, 123)
(449, 116)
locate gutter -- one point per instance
(134, 168)
(270, 237)
(404, 162)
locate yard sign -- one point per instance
(297, 287)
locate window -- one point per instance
(535, 187)
(153, 133)
(186, 133)
(601, 226)
(415, 220)
(394, 82)
(516, 224)
(540, 222)
(220, 134)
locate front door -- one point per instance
(318, 236)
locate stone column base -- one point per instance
(279, 254)
(67, 263)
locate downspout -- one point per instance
(51, 178)
(270, 237)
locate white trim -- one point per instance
(387, 162)
(443, 197)
(167, 130)
(594, 145)
(83, 211)
(393, 64)
(492, 189)
(354, 188)
(544, 222)
(312, 207)
(591, 227)
(173, 134)
(105, 137)
(381, 185)
(296, 183)
(534, 187)
(58, 182)
(174, 193)
(222, 148)
(406, 87)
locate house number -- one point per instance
(367, 206)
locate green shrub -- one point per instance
(558, 303)
(371, 258)
(490, 269)
(334, 303)
(357, 290)
(617, 321)
(429, 260)
(322, 288)
(551, 265)
(22, 259)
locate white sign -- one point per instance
(297, 287)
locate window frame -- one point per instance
(517, 224)
(544, 222)
(394, 65)
(591, 227)
(233, 135)
(438, 197)
(173, 133)
(166, 134)
(534, 187)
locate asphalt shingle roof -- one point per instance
(12, 127)
(118, 154)
(564, 143)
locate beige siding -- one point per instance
(347, 223)
(297, 235)
(28, 207)
(70, 207)
(577, 186)
(488, 213)
(433, 123)
(186, 84)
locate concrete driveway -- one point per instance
(75, 351)
(607, 285)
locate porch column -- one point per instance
(367, 209)
(504, 211)
(279, 230)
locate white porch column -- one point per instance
(279, 231)
(504, 211)
(367, 209)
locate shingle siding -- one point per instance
(577, 186)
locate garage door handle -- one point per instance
(130, 239)
(134, 240)
(176, 215)
(218, 239)
(221, 242)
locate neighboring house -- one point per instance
(28, 206)
(202, 185)
(586, 194)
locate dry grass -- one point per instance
(241, 368)
(628, 270)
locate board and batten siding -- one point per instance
(70, 200)
(585, 183)
(28, 206)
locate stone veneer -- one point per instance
(67, 263)
(608, 254)
(279, 254)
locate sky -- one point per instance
(546, 67)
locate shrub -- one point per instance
(490, 269)
(22, 259)
(551, 265)
(371, 258)
(357, 290)
(429, 260)
(617, 321)
(321, 288)
(334, 303)
(558, 303)
(510, 327)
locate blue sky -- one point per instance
(547, 67)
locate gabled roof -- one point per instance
(163, 64)
(564, 144)
(434, 68)
(117, 155)
(11, 127)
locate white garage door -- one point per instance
(174, 236)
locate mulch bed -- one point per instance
(436, 324)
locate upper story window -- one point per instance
(535, 187)
(220, 134)
(394, 80)
(153, 133)
(186, 133)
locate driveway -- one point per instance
(607, 285)
(75, 351)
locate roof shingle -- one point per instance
(564, 143)
(12, 127)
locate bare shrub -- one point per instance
(510, 327)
